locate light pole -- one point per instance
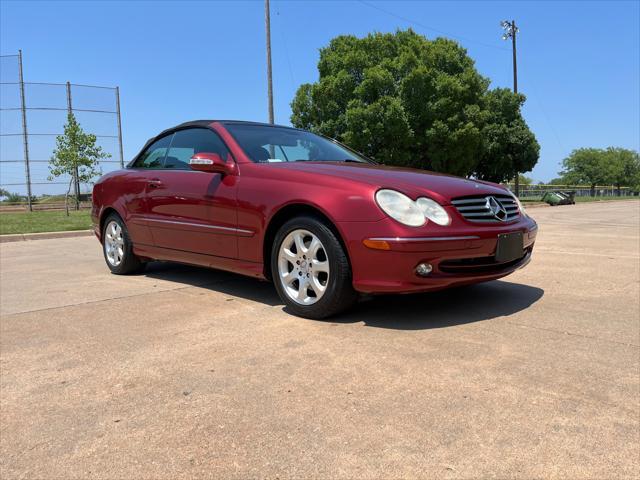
(510, 32)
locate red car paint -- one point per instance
(221, 220)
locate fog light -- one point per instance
(424, 269)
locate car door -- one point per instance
(191, 210)
(137, 179)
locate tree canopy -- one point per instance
(624, 167)
(405, 100)
(524, 180)
(509, 146)
(597, 166)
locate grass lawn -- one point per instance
(47, 221)
(604, 199)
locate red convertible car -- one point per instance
(321, 221)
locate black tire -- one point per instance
(339, 294)
(129, 263)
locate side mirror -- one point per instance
(210, 162)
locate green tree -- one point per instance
(77, 156)
(524, 180)
(509, 146)
(590, 166)
(624, 167)
(405, 100)
(558, 181)
(11, 197)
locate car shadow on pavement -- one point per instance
(445, 308)
(418, 311)
(214, 280)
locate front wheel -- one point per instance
(117, 247)
(310, 269)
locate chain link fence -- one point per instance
(32, 115)
(536, 192)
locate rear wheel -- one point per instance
(310, 269)
(117, 247)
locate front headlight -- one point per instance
(433, 211)
(400, 207)
(414, 214)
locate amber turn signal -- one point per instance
(376, 244)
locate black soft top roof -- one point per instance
(206, 123)
(201, 124)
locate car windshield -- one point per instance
(266, 144)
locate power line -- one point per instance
(286, 49)
(427, 27)
(545, 115)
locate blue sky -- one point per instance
(579, 62)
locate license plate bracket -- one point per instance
(510, 247)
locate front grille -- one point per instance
(483, 208)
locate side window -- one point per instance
(186, 143)
(153, 156)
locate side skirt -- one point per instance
(243, 267)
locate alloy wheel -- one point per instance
(114, 243)
(303, 267)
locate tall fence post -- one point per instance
(119, 126)
(76, 180)
(25, 136)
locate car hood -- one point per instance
(410, 181)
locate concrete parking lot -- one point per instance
(186, 372)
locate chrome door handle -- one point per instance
(154, 183)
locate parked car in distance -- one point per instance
(320, 220)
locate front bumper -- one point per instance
(459, 256)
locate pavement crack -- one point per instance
(89, 302)
(586, 254)
(564, 332)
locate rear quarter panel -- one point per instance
(124, 192)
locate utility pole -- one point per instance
(25, 135)
(76, 180)
(510, 31)
(267, 18)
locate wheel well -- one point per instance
(281, 217)
(107, 211)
